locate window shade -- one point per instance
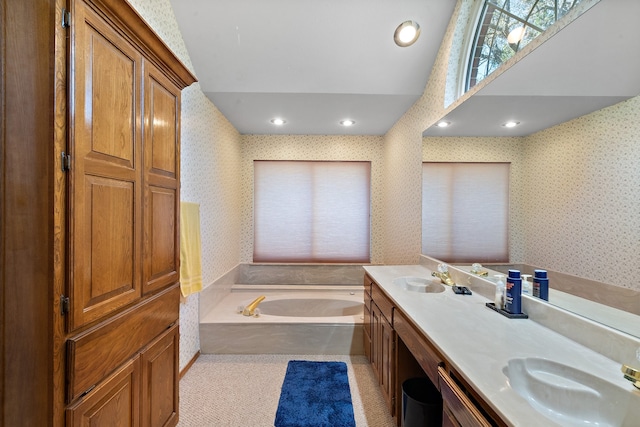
(465, 211)
(308, 211)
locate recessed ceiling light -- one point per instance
(511, 124)
(407, 33)
(443, 124)
(347, 122)
(278, 122)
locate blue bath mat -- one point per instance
(315, 394)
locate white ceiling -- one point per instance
(311, 62)
(315, 63)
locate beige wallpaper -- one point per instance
(310, 147)
(582, 196)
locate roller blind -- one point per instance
(465, 211)
(307, 211)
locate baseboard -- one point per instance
(191, 362)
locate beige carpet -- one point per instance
(243, 390)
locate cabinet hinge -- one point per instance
(66, 18)
(64, 305)
(66, 161)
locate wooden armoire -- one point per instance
(90, 167)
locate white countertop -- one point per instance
(479, 342)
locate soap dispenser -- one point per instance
(500, 291)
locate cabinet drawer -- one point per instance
(458, 405)
(383, 302)
(425, 354)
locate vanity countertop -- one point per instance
(479, 342)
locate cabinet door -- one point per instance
(457, 408)
(376, 339)
(114, 402)
(367, 328)
(105, 196)
(387, 358)
(161, 174)
(160, 381)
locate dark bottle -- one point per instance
(541, 284)
(514, 293)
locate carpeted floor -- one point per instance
(243, 390)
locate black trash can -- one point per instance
(421, 403)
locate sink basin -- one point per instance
(419, 284)
(572, 397)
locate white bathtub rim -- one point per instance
(239, 287)
(226, 310)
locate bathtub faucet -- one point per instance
(251, 308)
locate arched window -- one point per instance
(506, 26)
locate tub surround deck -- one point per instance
(224, 331)
(303, 276)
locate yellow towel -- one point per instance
(190, 249)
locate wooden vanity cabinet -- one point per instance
(383, 343)
(400, 350)
(457, 409)
(367, 317)
(425, 354)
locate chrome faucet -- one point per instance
(251, 308)
(632, 375)
(443, 275)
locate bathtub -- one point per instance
(292, 320)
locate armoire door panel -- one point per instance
(163, 138)
(160, 381)
(163, 240)
(113, 100)
(105, 269)
(106, 83)
(161, 175)
(105, 177)
(114, 402)
(111, 212)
